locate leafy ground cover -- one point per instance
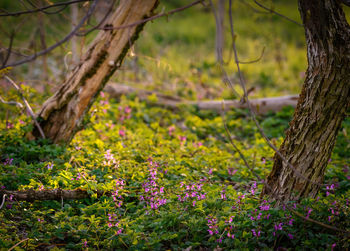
(176, 182)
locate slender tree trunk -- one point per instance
(322, 105)
(62, 114)
(74, 40)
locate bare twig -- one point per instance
(3, 200)
(99, 24)
(18, 243)
(29, 109)
(255, 60)
(11, 102)
(65, 39)
(42, 9)
(254, 9)
(153, 17)
(9, 48)
(278, 14)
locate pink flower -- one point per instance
(127, 109)
(121, 133)
(171, 129)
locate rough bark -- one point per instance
(62, 114)
(54, 194)
(260, 105)
(323, 102)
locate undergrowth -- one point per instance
(176, 183)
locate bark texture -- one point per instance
(260, 105)
(323, 102)
(62, 114)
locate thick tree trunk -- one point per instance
(322, 105)
(62, 114)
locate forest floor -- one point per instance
(170, 179)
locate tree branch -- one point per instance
(260, 105)
(54, 194)
(64, 4)
(29, 109)
(65, 39)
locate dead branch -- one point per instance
(261, 105)
(54, 194)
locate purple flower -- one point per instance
(333, 246)
(290, 236)
(231, 171)
(49, 166)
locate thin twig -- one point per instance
(278, 14)
(255, 60)
(18, 243)
(99, 24)
(11, 102)
(64, 4)
(153, 17)
(9, 48)
(3, 200)
(29, 109)
(65, 39)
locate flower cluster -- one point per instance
(114, 223)
(109, 159)
(191, 193)
(213, 228)
(8, 161)
(153, 195)
(125, 113)
(117, 197)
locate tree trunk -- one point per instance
(322, 105)
(62, 114)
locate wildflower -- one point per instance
(8, 161)
(308, 213)
(171, 129)
(231, 171)
(256, 234)
(127, 109)
(290, 236)
(333, 246)
(121, 133)
(182, 139)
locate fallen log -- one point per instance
(260, 105)
(48, 194)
